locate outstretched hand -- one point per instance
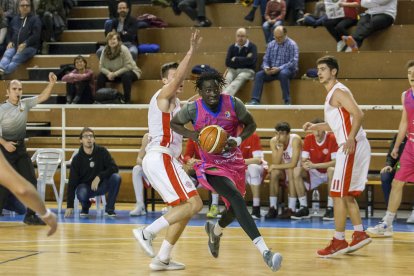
(195, 40)
(52, 78)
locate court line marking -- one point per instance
(20, 258)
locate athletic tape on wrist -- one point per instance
(47, 214)
(237, 139)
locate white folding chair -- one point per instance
(98, 199)
(48, 161)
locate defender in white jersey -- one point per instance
(286, 151)
(344, 118)
(162, 168)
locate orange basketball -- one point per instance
(213, 139)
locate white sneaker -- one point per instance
(411, 218)
(138, 211)
(158, 265)
(340, 46)
(381, 230)
(145, 239)
(348, 50)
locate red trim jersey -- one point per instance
(251, 147)
(320, 152)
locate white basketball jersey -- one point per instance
(160, 132)
(339, 119)
(288, 152)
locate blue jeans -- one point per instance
(269, 28)
(283, 76)
(310, 20)
(14, 205)
(110, 186)
(386, 180)
(11, 59)
(262, 4)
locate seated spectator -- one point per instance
(337, 26)
(256, 3)
(23, 38)
(315, 19)
(280, 62)
(388, 172)
(318, 163)
(286, 151)
(274, 16)
(93, 172)
(196, 10)
(113, 7)
(126, 27)
(3, 31)
(79, 83)
(116, 64)
(380, 14)
(241, 62)
(138, 178)
(294, 11)
(53, 17)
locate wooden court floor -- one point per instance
(106, 249)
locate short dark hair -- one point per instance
(86, 129)
(122, 1)
(317, 121)
(80, 57)
(410, 63)
(330, 61)
(166, 67)
(283, 126)
(212, 75)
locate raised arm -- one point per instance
(48, 90)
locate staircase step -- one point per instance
(86, 23)
(72, 48)
(41, 73)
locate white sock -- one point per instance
(330, 201)
(137, 173)
(165, 251)
(214, 199)
(260, 244)
(256, 201)
(157, 225)
(359, 228)
(273, 201)
(389, 218)
(303, 201)
(217, 229)
(339, 235)
(292, 203)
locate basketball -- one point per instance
(213, 139)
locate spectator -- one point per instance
(256, 166)
(10, 8)
(318, 163)
(279, 63)
(196, 10)
(274, 16)
(126, 27)
(317, 18)
(241, 62)
(13, 118)
(113, 7)
(295, 10)
(23, 39)
(380, 14)
(138, 179)
(53, 17)
(286, 150)
(79, 83)
(93, 172)
(391, 166)
(256, 3)
(337, 26)
(116, 64)
(3, 31)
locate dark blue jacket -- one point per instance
(27, 30)
(241, 60)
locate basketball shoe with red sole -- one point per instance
(359, 240)
(335, 247)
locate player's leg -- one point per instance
(292, 196)
(298, 175)
(254, 177)
(275, 176)
(329, 214)
(138, 183)
(359, 237)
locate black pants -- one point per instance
(126, 79)
(21, 162)
(81, 89)
(338, 27)
(368, 24)
(193, 8)
(224, 187)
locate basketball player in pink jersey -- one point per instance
(344, 118)
(406, 172)
(162, 168)
(26, 193)
(225, 172)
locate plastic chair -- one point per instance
(48, 161)
(98, 199)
